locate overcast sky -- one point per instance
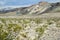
(22, 2)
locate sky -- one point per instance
(22, 2)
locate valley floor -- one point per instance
(44, 15)
(38, 27)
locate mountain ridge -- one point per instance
(36, 9)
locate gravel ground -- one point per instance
(52, 33)
(42, 27)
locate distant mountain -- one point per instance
(6, 10)
(36, 9)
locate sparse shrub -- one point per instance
(10, 30)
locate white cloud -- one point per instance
(2, 3)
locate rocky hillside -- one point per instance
(35, 9)
(55, 7)
(41, 7)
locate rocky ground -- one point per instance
(29, 29)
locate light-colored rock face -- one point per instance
(39, 8)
